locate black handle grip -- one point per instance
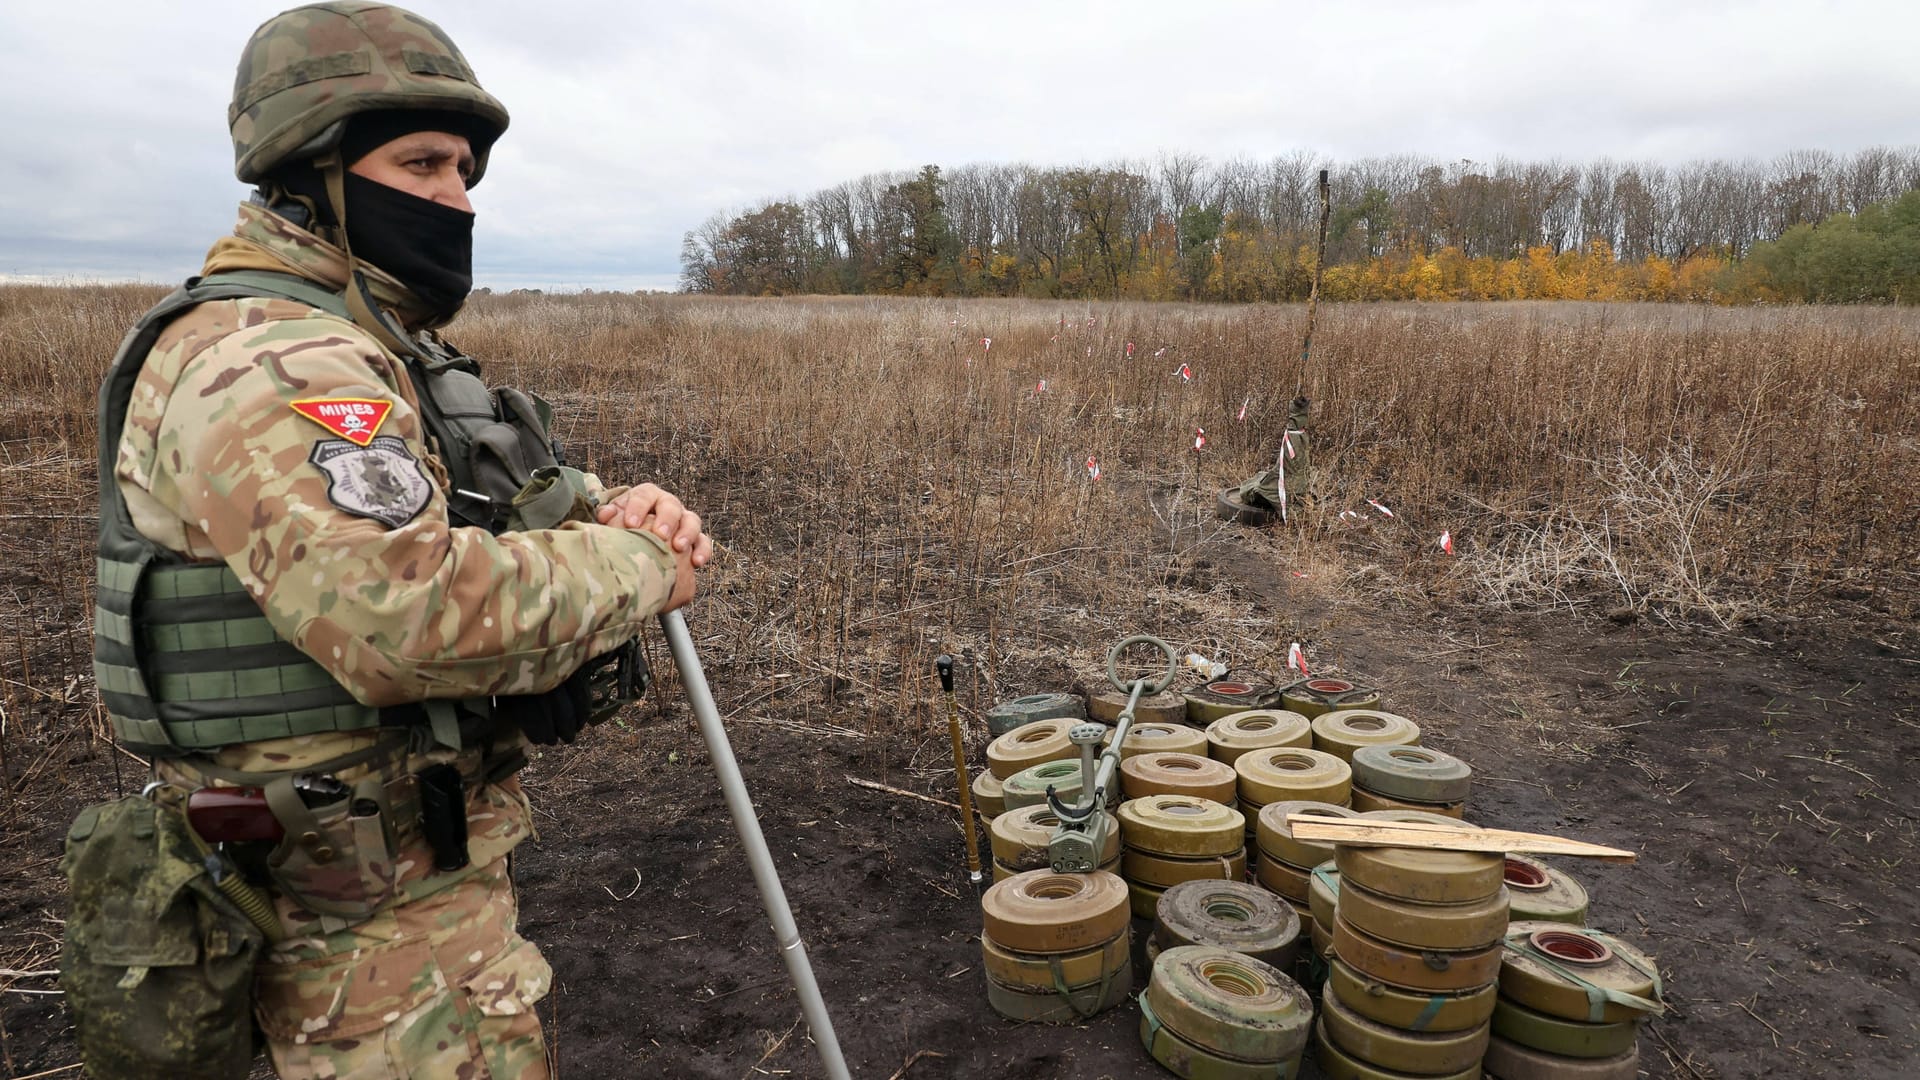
(944, 665)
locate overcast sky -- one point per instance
(632, 122)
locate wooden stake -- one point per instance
(858, 782)
(1422, 834)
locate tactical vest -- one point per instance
(184, 658)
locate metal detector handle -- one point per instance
(1087, 738)
(944, 665)
(759, 859)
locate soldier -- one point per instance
(336, 570)
(1270, 492)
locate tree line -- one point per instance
(1186, 228)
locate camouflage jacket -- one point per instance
(225, 456)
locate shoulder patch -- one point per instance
(382, 480)
(356, 420)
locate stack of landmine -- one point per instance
(1219, 1005)
(1570, 1005)
(1215, 1014)
(1180, 822)
(1417, 943)
(1057, 948)
(989, 798)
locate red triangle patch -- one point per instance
(356, 420)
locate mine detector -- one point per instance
(1078, 840)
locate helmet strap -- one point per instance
(367, 313)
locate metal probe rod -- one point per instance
(1109, 761)
(792, 950)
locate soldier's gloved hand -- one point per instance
(553, 717)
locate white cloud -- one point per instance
(634, 122)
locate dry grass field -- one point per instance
(1679, 615)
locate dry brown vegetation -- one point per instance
(877, 476)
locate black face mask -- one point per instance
(426, 246)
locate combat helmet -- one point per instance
(306, 71)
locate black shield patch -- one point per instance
(381, 480)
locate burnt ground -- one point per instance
(1765, 775)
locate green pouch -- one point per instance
(556, 494)
(157, 965)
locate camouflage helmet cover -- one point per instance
(306, 71)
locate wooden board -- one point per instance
(1423, 834)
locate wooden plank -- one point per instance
(1420, 834)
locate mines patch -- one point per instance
(382, 480)
(356, 420)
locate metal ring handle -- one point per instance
(1113, 664)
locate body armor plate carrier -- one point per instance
(185, 660)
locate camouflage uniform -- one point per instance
(214, 464)
(217, 463)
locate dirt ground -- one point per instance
(1765, 776)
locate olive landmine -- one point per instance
(1367, 802)
(1031, 744)
(1337, 1064)
(1508, 1060)
(1256, 729)
(1409, 1009)
(1019, 838)
(1290, 774)
(1229, 915)
(1017, 712)
(1411, 773)
(1470, 924)
(1179, 774)
(989, 800)
(1274, 834)
(1422, 875)
(1178, 830)
(1405, 777)
(1343, 731)
(1543, 893)
(1166, 871)
(1163, 738)
(1535, 1030)
(1284, 862)
(1285, 879)
(1038, 926)
(1578, 973)
(1224, 697)
(1232, 505)
(1413, 969)
(1311, 697)
(1397, 1049)
(1214, 1014)
(1166, 707)
(1323, 892)
(1028, 787)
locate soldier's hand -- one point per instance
(650, 506)
(683, 584)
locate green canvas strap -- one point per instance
(274, 285)
(1066, 994)
(1155, 1027)
(1427, 1015)
(1598, 997)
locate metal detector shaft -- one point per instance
(792, 949)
